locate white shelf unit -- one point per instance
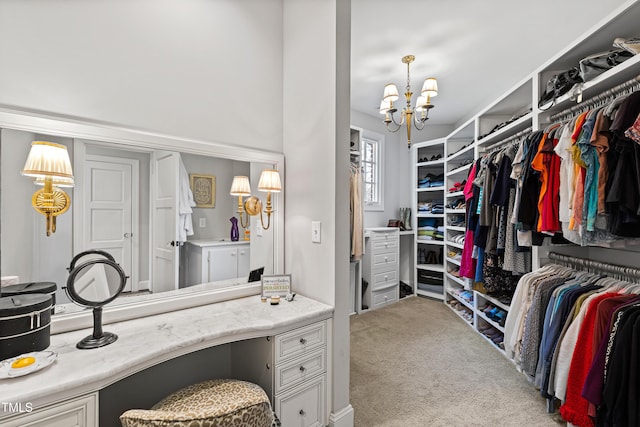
(517, 110)
(428, 159)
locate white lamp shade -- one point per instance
(57, 181)
(390, 93)
(421, 102)
(430, 87)
(48, 159)
(240, 186)
(384, 107)
(270, 181)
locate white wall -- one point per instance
(204, 69)
(316, 144)
(398, 188)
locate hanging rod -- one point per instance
(600, 99)
(509, 139)
(595, 266)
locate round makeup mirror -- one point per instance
(95, 279)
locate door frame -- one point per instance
(79, 207)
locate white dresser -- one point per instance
(380, 266)
(211, 261)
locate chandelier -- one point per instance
(417, 115)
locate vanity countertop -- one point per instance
(211, 242)
(147, 341)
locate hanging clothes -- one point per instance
(356, 212)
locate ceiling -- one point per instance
(477, 49)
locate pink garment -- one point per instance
(467, 262)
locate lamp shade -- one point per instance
(421, 103)
(48, 159)
(390, 93)
(240, 186)
(384, 107)
(430, 87)
(270, 181)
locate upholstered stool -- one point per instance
(213, 403)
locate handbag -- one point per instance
(596, 64)
(558, 85)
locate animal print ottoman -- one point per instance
(213, 403)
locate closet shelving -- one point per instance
(460, 154)
(519, 108)
(428, 205)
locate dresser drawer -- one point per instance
(303, 406)
(385, 279)
(384, 246)
(389, 259)
(384, 236)
(294, 373)
(300, 341)
(384, 296)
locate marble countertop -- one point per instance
(147, 341)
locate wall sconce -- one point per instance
(49, 164)
(269, 182)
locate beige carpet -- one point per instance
(416, 363)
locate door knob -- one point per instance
(127, 235)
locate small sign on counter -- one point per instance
(276, 285)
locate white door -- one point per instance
(164, 217)
(243, 261)
(110, 217)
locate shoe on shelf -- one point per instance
(630, 45)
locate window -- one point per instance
(372, 153)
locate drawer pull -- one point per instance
(303, 341)
(302, 369)
(302, 412)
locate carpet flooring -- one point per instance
(416, 363)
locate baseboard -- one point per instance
(343, 418)
(143, 285)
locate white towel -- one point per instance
(185, 203)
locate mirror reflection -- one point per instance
(134, 204)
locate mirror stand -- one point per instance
(99, 338)
(96, 281)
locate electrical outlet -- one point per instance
(315, 231)
(203, 222)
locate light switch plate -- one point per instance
(315, 231)
(203, 222)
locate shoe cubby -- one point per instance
(490, 333)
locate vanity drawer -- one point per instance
(383, 297)
(294, 373)
(300, 341)
(81, 412)
(303, 406)
(385, 279)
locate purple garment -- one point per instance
(594, 382)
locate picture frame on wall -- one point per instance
(276, 285)
(204, 190)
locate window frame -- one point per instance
(377, 140)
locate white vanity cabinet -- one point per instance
(294, 375)
(380, 266)
(210, 261)
(79, 412)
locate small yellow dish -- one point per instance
(23, 362)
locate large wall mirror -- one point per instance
(119, 205)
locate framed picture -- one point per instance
(277, 285)
(204, 190)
